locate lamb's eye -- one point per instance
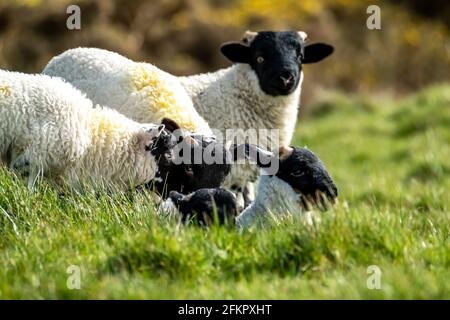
(260, 59)
(297, 173)
(189, 170)
(300, 58)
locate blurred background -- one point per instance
(183, 37)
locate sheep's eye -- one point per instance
(260, 59)
(188, 169)
(297, 173)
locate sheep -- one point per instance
(140, 91)
(205, 206)
(49, 128)
(260, 91)
(145, 93)
(299, 183)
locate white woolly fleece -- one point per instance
(232, 99)
(140, 91)
(48, 127)
(274, 196)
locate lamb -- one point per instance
(300, 182)
(260, 91)
(205, 206)
(49, 128)
(145, 93)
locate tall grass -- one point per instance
(389, 159)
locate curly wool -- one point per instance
(52, 128)
(140, 91)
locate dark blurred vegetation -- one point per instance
(183, 36)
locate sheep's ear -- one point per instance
(170, 124)
(263, 158)
(316, 52)
(176, 197)
(236, 52)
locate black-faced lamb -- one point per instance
(206, 206)
(301, 182)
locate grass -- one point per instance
(390, 160)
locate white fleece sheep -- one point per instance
(47, 127)
(140, 91)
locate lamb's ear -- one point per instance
(316, 52)
(236, 52)
(263, 158)
(176, 197)
(170, 124)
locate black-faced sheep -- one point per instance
(260, 91)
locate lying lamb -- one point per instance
(300, 183)
(261, 91)
(205, 206)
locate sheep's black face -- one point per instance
(205, 174)
(202, 205)
(306, 174)
(276, 58)
(184, 168)
(298, 167)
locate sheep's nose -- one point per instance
(286, 79)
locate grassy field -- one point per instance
(390, 160)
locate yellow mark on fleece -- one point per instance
(103, 128)
(161, 96)
(5, 90)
